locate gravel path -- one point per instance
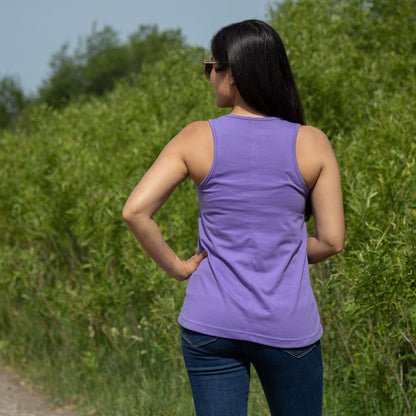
(16, 399)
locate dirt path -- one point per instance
(16, 399)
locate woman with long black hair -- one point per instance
(249, 299)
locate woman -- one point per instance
(249, 298)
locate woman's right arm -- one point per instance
(319, 168)
(181, 157)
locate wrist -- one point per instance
(179, 272)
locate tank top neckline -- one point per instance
(268, 118)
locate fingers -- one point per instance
(202, 254)
(192, 264)
(198, 258)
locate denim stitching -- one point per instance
(293, 354)
(199, 344)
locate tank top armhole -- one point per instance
(205, 181)
(299, 176)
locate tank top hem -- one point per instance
(251, 337)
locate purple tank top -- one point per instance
(254, 285)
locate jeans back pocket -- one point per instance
(300, 352)
(196, 339)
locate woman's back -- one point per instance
(255, 283)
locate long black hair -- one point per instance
(260, 68)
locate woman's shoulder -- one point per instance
(191, 134)
(311, 134)
(195, 144)
(196, 127)
(311, 140)
(313, 153)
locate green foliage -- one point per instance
(379, 265)
(93, 319)
(101, 60)
(355, 65)
(345, 52)
(72, 274)
(12, 100)
(148, 45)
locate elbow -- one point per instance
(336, 246)
(128, 214)
(319, 249)
(134, 215)
(337, 249)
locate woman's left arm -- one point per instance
(167, 172)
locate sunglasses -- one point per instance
(208, 65)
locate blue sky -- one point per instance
(32, 30)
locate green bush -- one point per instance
(101, 60)
(78, 296)
(85, 312)
(355, 65)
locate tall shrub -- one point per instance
(83, 307)
(355, 65)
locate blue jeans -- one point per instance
(219, 373)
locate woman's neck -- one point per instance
(245, 110)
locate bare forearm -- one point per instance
(319, 250)
(150, 238)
